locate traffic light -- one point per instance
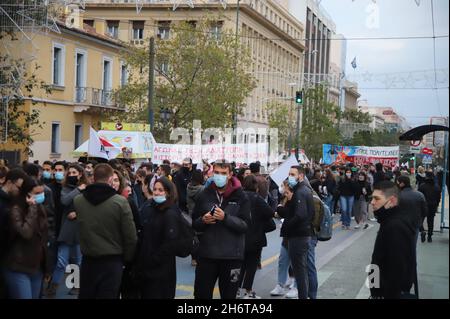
(299, 97)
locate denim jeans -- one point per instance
(64, 251)
(23, 286)
(312, 272)
(329, 201)
(298, 252)
(346, 203)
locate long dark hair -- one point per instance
(171, 192)
(80, 169)
(27, 186)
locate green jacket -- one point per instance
(106, 223)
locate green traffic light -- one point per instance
(299, 97)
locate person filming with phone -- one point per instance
(221, 214)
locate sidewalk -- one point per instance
(433, 261)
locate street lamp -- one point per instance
(165, 117)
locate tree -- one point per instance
(375, 138)
(318, 124)
(356, 116)
(198, 77)
(18, 82)
(280, 117)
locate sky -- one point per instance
(399, 18)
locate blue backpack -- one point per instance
(326, 225)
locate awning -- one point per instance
(417, 133)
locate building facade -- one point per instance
(82, 69)
(272, 35)
(392, 120)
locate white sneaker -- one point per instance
(292, 293)
(278, 291)
(357, 227)
(290, 283)
(353, 217)
(373, 219)
(251, 295)
(239, 294)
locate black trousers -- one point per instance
(298, 253)
(163, 281)
(248, 269)
(430, 220)
(100, 278)
(207, 273)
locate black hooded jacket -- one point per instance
(394, 253)
(226, 238)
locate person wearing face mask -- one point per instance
(59, 171)
(221, 214)
(68, 238)
(107, 237)
(47, 172)
(297, 227)
(181, 180)
(394, 249)
(347, 191)
(25, 260)
(361, 206)
(33, 171)
(156, 262)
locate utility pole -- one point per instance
(151, 82)
(234, 115)
(444, 183)
(297, 135)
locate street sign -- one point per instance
(414, 150)
(427, 151)
(415, 143)
(427, 159)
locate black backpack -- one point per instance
(187, 242)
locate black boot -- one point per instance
(422, 236)
(429, 239)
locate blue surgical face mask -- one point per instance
(292, 181)
(59, 176)
(159, 199)
(46, 175)
(220, 180)
(39, 198)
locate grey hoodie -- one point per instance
(191, 196)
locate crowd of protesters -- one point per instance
(120, 223)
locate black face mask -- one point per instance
(72, 180)
(185, 169)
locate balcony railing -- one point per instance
(95, 97)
